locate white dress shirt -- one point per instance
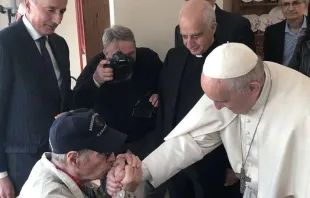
(35, 36)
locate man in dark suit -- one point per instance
(34, 88)
(179, 91)
(281, 38)
(230, 28)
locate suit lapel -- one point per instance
(57, 48)
(281, 41)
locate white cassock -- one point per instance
(279, 160)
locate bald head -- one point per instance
(197, 11)
(197, 26)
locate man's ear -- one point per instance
(27, 5)
(213, 27)
(255, 88)
(73, 158)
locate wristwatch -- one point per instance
(124, 194)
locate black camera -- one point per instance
(122, 66)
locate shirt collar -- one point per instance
(33, 33)
(303, 26)
(76, 180)
(266, 90)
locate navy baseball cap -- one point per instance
(83, 129)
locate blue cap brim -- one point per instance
(110, 141)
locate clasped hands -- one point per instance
(125, 174)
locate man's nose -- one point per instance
(111, 158)
(190, 43)
(57, 18)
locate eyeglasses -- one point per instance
(294, 4)
(107, 155)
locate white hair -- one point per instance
(62, 158)
(209, 17)
(240, 83)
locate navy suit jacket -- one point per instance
(29, 97)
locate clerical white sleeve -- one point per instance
(178, 153)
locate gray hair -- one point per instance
(62, 158)
(209, 17)
(116, 33)
(240, 83)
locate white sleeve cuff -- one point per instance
(3, 175)
(146, 175)
(97, 84)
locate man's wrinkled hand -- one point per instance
(130, 159)
(231, 177)
(102, 73)
(154, 100)
(113, 185)
(6, 188)
(132, 179)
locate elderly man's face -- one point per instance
(126, 47)
(45, 15)
(96, 166)
(197, 37)
(239, 102)
(293, 9)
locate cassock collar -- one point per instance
(211, 48)
(266, 90)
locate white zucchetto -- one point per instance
(229, 60)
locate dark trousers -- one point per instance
(204, 179)
(20, 166)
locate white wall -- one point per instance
(68, 29)
(152, 21)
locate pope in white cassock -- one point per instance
(260, 111)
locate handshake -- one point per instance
(125, 174)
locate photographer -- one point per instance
(120, 84)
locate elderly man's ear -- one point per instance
(73, 158)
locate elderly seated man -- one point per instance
(82, 151)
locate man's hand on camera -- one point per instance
(102, 73)
(154, 100)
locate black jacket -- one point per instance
(230, 28)
(301, 57)
(274, 42)
(115, 102)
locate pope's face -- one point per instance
(239, 102)
(197, 37)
